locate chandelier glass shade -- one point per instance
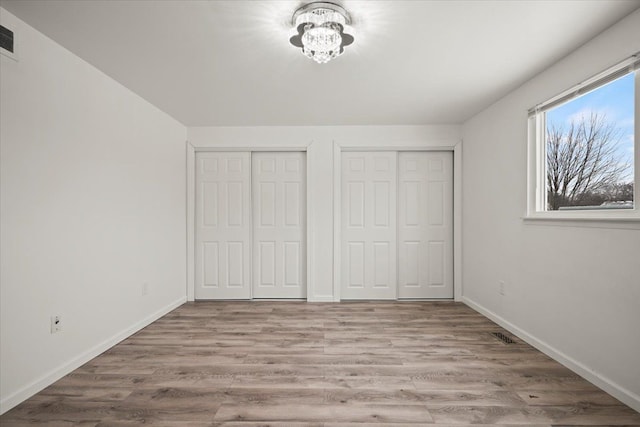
(321, 30)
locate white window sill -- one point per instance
(592, 221)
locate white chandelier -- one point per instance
(322, 30)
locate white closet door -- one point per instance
(425, 225)
(223, 226)
(368, 225)
(279, 201)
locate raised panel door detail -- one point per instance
(266, 213)
(235, 207)
(268, 165)
(292, 192)
(436, 203)
(368, 225)
(435, 165)
(436, 263)
(235, 264)
(292, 275)
(356, 163)
(279, 203)
(381, 163)
(234, 164)
(210, 165)
(211, 264)
(356, 204)
(223, 233)
(210, 204)
(410, 263)
(381, 195)
(382, 273)
(410, 198)
(355, 264)
(292, 165)
(425, 227)
(267, 262)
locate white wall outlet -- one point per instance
(145, 289)
(501, 287)
(56, 324)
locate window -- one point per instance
(583, 153)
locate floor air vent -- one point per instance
(504, 338)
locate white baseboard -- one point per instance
(54, 375)
(622, 394)
(321, 298)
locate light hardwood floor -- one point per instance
(304, 364)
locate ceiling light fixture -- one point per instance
(322, 30)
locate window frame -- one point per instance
(536, 152)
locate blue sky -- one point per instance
(616, 100)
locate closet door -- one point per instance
(368, 220)
(279, 201)
(425, 225)
(223, 226)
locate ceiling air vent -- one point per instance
(6, 39)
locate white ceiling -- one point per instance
(229, 63)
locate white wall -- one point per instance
(572, 290)
(320, 165)
(92, 206)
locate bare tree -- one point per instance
(582, 160)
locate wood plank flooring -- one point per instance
(305, 364)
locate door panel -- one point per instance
(279, 203)
(223, 226)
(425, 225)
(368, 225)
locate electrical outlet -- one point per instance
(501, 287)
(145, 289)
(56, 324)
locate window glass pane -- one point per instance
(589, 149)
